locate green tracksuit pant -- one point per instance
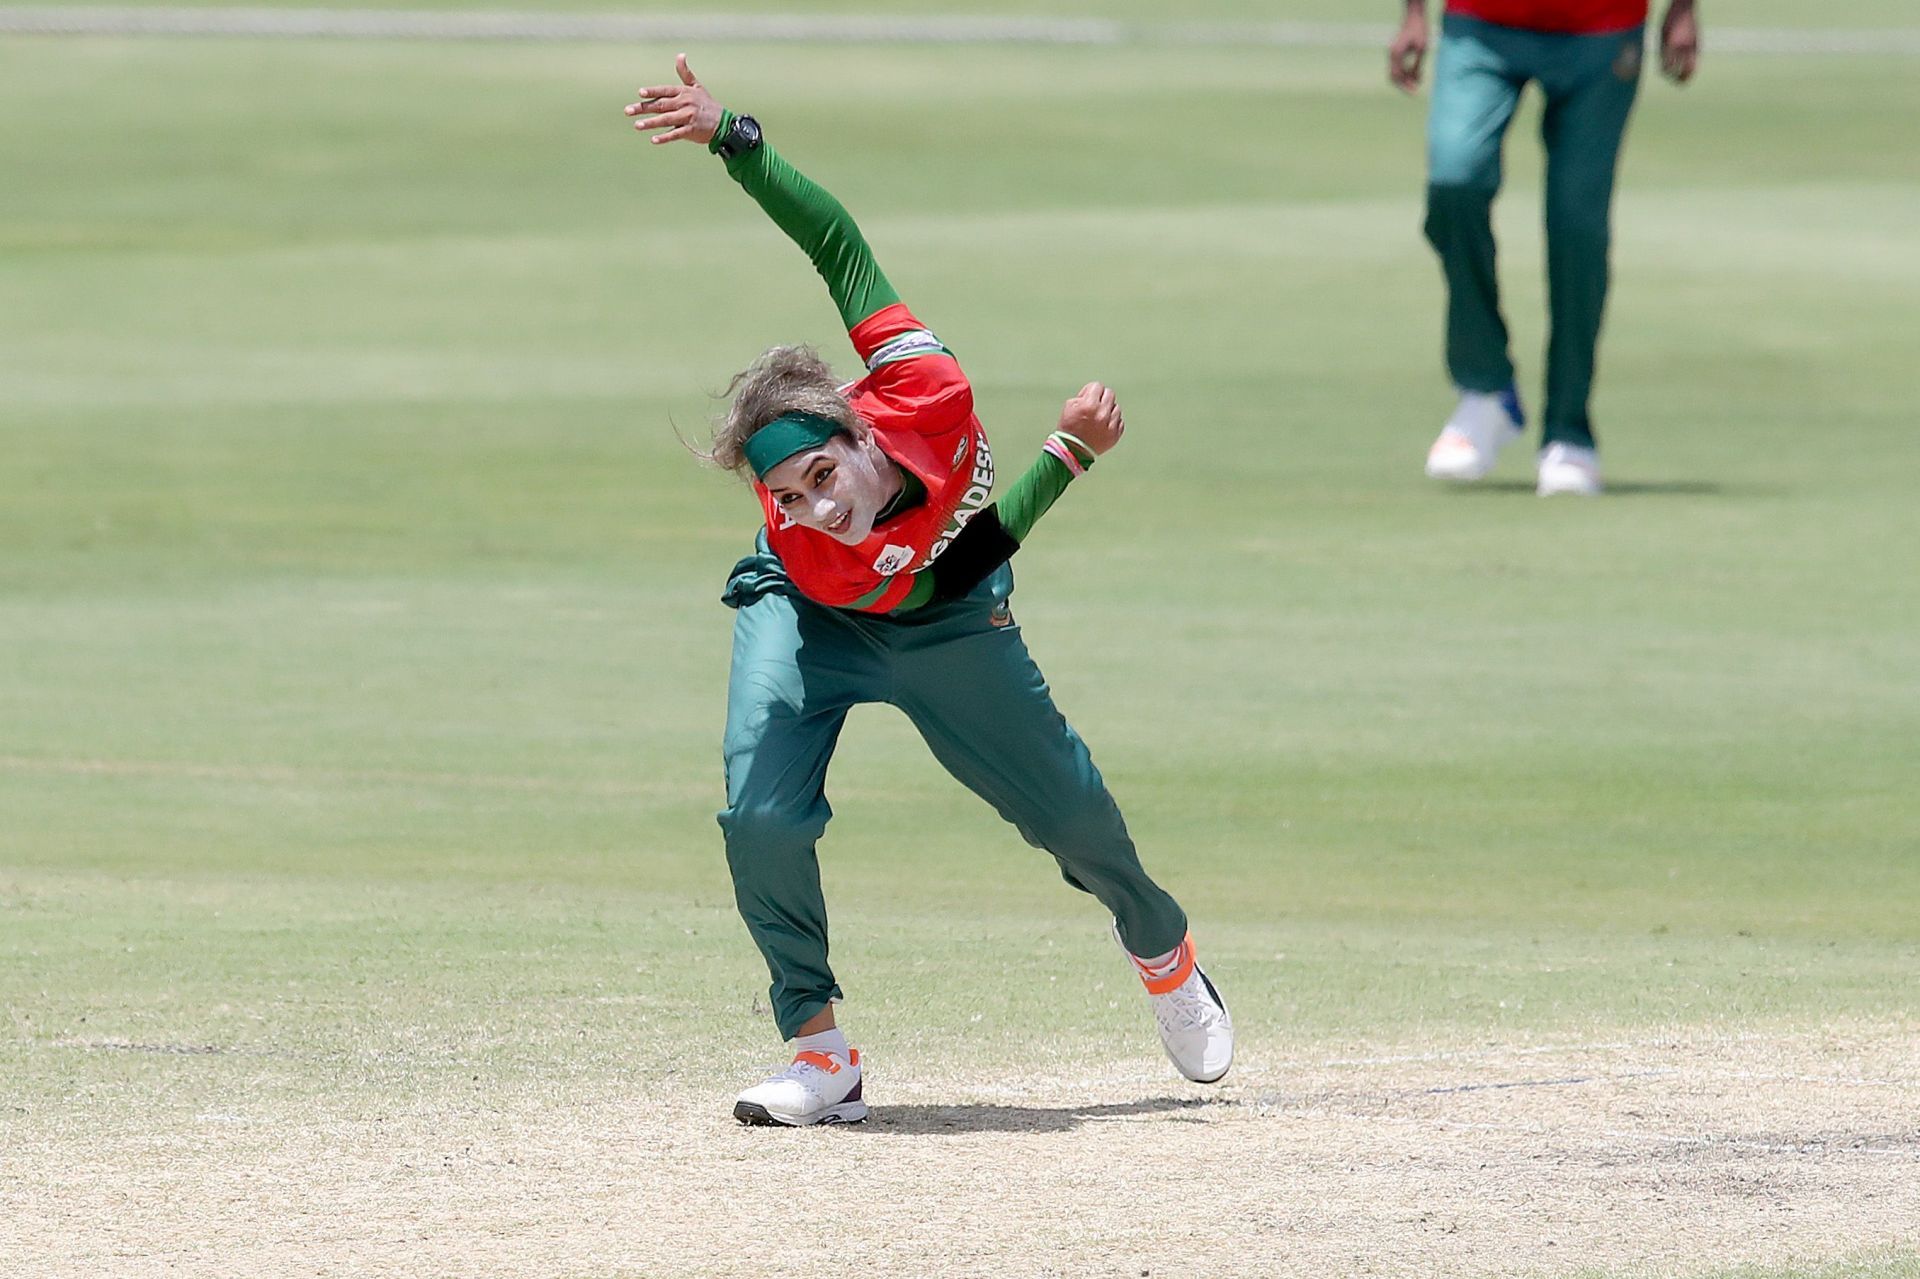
(961, 673)
(1590, 83)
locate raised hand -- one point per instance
(1093, 417)
(686, 111)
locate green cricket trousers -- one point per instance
(961, 673)
(1590, 83)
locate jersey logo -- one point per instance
(905, 347)
(892, 559)
(960, 452)
(977, 492)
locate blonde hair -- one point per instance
(785, 379)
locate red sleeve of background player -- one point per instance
(913, 382)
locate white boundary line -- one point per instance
(404, 24)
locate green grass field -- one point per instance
(1855, 14)
(361, 665)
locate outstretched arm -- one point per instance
(1090, 425)
(811, 217)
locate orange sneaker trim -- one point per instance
(1182, 969)
(820, 1060)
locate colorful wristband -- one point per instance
(1071, 450)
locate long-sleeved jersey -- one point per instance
(914, 395)
(921, 409)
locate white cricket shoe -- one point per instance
(1469, 444)
(1569, 468)
(1195, 1028)
(817, 1088)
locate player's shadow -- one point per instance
(1615, 488)
(921, 1121)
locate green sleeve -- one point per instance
(1029, 496)
(816, 222)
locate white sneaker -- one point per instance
(1568, 468)
(1195, 1028)
(817, 1088)
(1469, 444)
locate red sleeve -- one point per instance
(913, 382)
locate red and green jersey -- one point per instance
(921, 409)
(1561, 17)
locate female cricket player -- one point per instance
(881, 575)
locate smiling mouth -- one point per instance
(841, 522)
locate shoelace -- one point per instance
(799, 1071)
(1185, 1007)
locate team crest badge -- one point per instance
(892, 559)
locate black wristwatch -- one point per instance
(743, 137)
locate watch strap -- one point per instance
(737, 135)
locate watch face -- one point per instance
(746, 131)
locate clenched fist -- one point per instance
(1093, 417)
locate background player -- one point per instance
(1585, 55)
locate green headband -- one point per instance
(786, 435)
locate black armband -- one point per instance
(975, 551)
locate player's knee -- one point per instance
(1109, 876)
(1578, 230)
(756, 828)
(1090, 845)
(1457, 212)
(1461, 164)
(1579, 223)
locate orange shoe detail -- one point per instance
(1182, 969)
(820, 1060)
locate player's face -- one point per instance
(837, 488)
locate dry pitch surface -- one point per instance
(1664, 1155)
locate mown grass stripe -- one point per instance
(402, 24)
